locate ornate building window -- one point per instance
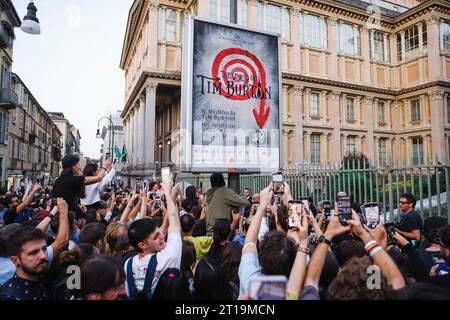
(415, 110)
(417, 151)
(350, 145)
(314, 104)
(350, 109)
(382, 152)
(445, 30)
(315, 148)
(412, 42)
(313, 31)
(381, 114)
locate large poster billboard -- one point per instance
(230, 99)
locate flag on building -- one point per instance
(117, 153)
(124, 154)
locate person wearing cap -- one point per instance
(70, 182)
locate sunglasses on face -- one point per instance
(404, 202)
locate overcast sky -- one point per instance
(73, 65)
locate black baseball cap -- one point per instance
(68, 162)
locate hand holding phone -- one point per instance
(371, 214)
(390, 230)
(268, 288)
(344, 210)
(278, 183)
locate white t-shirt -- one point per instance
(169, 257)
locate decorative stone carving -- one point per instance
(433, 19)
(332, 21)
(151, 86)
(298, 90)
(437, 95)
(152, 6)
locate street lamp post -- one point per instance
(233, 178)
(111, 134)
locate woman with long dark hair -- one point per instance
(90, 194)
(210, 282)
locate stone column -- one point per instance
(298, 115)
(421, 52)
(387, 113)
(203, 8)
(252, 13)
(178, 37)
(409, 151)
(307, 104)
(403, 44)
(386, 47)
(307, 136)
(323, 106)
(365, 50)
(405, 113)
(296, 56)
(437, 126)
(324, 147)
(284, 49)
(426, 148)
(358, 109)
(403, 69)
(332, 62)
(395, 71)
(153, 35)
(376, 151)
(306, 66)
(323, 58)
(343, 109)
(150, 121)
(264, 10)
(284, 159)
(368, 103)
(424, 110)
(420, 30)
(336, 126)
(141, 132)
(343, 144)
(434, 56)
(135, 134)
(390, 150)
(358, 142)
(284, 110)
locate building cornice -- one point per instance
(359, 87)
(141, 83)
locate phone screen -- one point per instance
(305, 202)
(277, 181)
(138, 185)
(165, 173)
(372, 215)
(390, 229)
(295, 206)
(268, 288)
(344, 209)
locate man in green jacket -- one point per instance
(220, 200)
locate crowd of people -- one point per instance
(85, 240)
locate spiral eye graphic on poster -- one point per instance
(241, 76)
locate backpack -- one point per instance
(146, 293)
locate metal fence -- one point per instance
(365, 183)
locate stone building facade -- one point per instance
(355, 77)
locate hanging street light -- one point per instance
(30, 23)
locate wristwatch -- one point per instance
(322, 239)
